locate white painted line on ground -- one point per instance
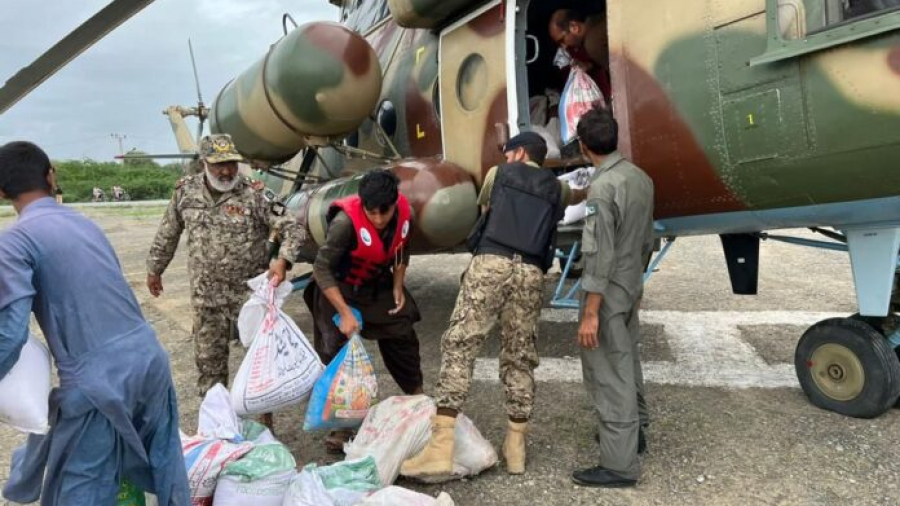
(706, 345)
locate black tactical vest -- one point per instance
(524, 211)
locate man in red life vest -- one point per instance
(362, 265)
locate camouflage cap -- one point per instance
(218, 148)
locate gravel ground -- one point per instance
(708, 445)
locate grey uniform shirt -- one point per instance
(618, 230)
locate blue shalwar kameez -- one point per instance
(114, 415)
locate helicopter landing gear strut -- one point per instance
(851, 365)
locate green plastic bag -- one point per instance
(129, 495)
(251, 430)
(360, 475)
(262, 461)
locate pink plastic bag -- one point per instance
(577, 98)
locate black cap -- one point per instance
(524, 139)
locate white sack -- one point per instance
(268, 491)
(25, 391)
(394, 430)
(205, 459)
(577, 179)
(390, 439)
(254, 311)
(399, 496)
(217, 419)
(279, 370)
(307, 489)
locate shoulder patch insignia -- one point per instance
(590, 210)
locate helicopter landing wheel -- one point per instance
(846, 366)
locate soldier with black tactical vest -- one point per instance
(228, 221)
(505, 279)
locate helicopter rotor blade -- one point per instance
(69, 47)
(200, 106)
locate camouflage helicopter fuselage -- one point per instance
(748, 114)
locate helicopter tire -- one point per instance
(846, 366)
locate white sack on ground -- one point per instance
(399, 496)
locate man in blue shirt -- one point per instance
(114, 415)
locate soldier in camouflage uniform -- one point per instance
(523, 204)
(228, 222)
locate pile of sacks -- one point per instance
(233, 461)
(238, 462)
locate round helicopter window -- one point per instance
(387, 118)
(472, 82)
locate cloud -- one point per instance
(122, 84)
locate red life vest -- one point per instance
(370, 255)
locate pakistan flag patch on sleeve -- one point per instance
(590, 210)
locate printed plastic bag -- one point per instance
(341, 484)
(577, 180)
(345, 391)
(399, 496)
(399, 427)
(217, 419)
(267, 491)
(577, 98)
(394, 430)
(130, 495)
(254, 311)
(280, 368)
(260, 462)
(25, 391)
(205, 459)
(257, 433)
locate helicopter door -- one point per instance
(475, 88)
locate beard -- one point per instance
(220, 185)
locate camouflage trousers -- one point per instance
(492, 287)
(214, 329)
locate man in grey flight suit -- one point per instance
(616, 242)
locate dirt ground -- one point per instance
(729, 422)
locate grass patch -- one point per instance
(144, 181)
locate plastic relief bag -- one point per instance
(343, 394)
(25, 390)
(577, 180)
(578, 97)
(280, 368)
(205, 459)
(399, 496)
(394, 430)
(341, 484)
(254, 311)
(399, 427)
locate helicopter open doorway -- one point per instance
(540, 78)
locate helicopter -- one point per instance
(749, 115)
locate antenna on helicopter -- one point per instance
(201, 108)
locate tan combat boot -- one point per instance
(514, 447)
(437, 457)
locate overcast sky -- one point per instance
(121, 84)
